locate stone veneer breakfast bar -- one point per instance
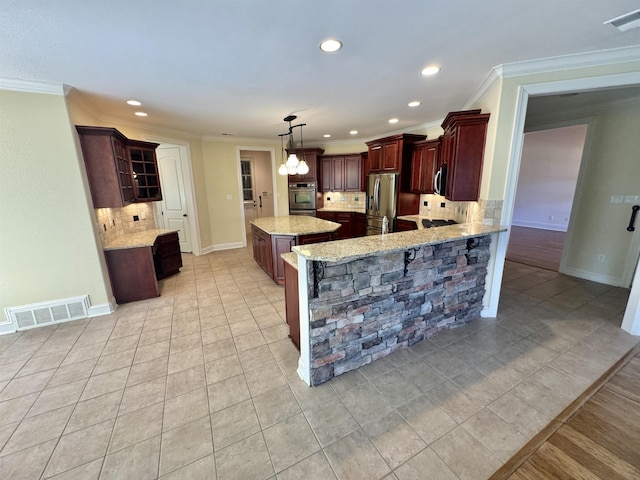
(364, 298)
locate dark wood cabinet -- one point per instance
(144, 165)
(312, 157)
(392, 154)
(280, 244)
(462, 150)
(120, 171)
(359, 224)
(341, 173)
(261, 242)
(353, 224)
(405, 225)
(167, 259)
(268, 249)
(424, 165)
(292, 305)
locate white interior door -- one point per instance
(175, 214)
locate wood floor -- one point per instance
(536, 247)
(600, 441)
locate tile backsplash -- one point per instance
(346, 200)
(115, 222)
(487, 212)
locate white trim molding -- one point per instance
(32, 86)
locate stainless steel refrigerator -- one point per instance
(382, 200)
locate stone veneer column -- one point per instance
(365, 309)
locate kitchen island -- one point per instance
(273, 236)
(362, 299)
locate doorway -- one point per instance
(256, 178)
(631, 322)
(549, 170)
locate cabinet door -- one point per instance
(424, 166)
(346, 222)
(338, 173)
(353, 173)
(326, 174)
(391, 157)
(280, 244)
(359, 225)
(146, 178)
(292, 303)
(375, 158)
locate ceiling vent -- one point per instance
(627, 21)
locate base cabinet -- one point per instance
(166, 255)
(292, 303)
(134, 272)
(353, 224)
(267, 249)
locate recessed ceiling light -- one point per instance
(415, 103)
(141, 114)
(135, 103)
(327, 135)
(331, 45)
(393, 120)
(431, 70)
(353, 132)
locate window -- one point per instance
(247, 180)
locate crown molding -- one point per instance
(569, 62)
(18, 85)
(149, 128)
(553, 64)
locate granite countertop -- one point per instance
(294, 225)
(353, 248)
(338, 209)
(291, 258)
(145, 238)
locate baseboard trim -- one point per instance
(539, 225)
(102, 309)
(532, 446)
(594, 277)
(222, 246)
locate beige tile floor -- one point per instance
(200, 383)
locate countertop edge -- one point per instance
(142, 239)
(353, 249)
(278, 227)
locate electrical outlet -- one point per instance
(143, 215)
(442, 205)
(229, 197)
(104, 227)
(113, 222)
(356, 199)
(136, 218)
(551, 218)
(425, 203)
(600, 258)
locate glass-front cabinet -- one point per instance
(144, 166)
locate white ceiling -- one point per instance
(210, 67)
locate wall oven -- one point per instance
(302, 198)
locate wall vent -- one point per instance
(47, 313)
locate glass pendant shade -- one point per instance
(302, 168)
(292, 161)
(283, 170)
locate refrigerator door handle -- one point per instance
(376, 195)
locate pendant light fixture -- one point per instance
(293, 166)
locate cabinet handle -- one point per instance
(632, 220)
(184, 214)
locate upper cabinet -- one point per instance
(144, 165)
(426, 155)
(312, 157)
(390, 154)
(462, 150)
(341, 173)
(120, 171)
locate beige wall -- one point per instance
(49, 248)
